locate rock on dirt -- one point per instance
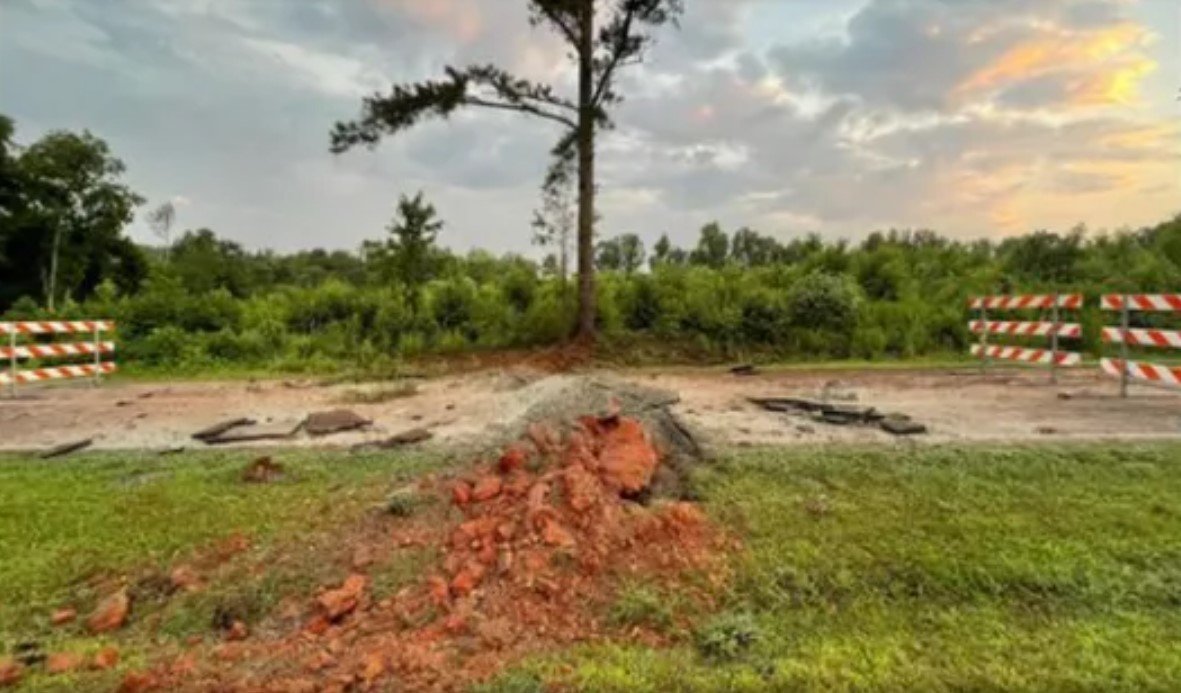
(221, 427)
(10, 672)
(324, 423)
(410, 437)
(337, 603)
(255, 432)
(902, 426)
(110, 614)
(62, 662)
(66, 448)
(106, 658)
(63, 616)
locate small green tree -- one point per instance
(408, 257)
(713, 248)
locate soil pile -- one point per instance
(533, 548)
(566, 398)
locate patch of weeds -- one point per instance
(728, 637)
(404, 568)
(405, 502)
(639, 605)
(512, 682)
(380, 394)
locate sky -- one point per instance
(976, 118)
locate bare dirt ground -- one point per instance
(961, 405)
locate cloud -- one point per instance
(974, 117)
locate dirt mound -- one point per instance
(533, 547)
(570, 398)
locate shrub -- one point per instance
(728, 637)
(823, 301)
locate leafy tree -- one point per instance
(822, 301)
(408, 256)
(623, 253)
(598, 51)
(1044, 256)
(553, 224)
(631, 253)
(160, 220)
(64, 211)
(751, 249)
(202, 262)
(713, 248)
(608, 255)
(660, 251)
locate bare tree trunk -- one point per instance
(586, 177)
(51, 289)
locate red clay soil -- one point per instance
(539, 542)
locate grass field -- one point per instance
(1038, 568)
(1034, 568)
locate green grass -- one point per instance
(1023, 568)
(71, 529)
(937, 568)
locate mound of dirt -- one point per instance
(570, 398)
(532, 547)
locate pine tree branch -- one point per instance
(520, 108)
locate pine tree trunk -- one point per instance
(586, 178)
(51, 291)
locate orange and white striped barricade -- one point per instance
(1053, 331)
(1126, 336)
(15, 352)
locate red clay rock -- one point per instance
(513, 459)
(63, 616)
(505, 531)
(487, 488)
(237, 631)
(439, 591)
(319, 661)
(106, 658)
(184, 578)
(184, 665)
(110, 614)
(468, 578)
(338, 603)
(582, 488)
(10, 672)
(138, 682)
(318, 625)
(375, 665)
(555, 534)
(487, 554)
(62, 662)
(456, 624)
(461, 493)
(627, 459)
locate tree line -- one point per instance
(199, 300)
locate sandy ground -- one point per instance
(956, 405)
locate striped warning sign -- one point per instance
(1027, 302)
(1143, 302)
(1148, 372)
(47, 351)
(58, 373)
(1066, 330)
(1161, 339)
(1024, 355)
(56, 326)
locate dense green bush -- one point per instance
(898, 295)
